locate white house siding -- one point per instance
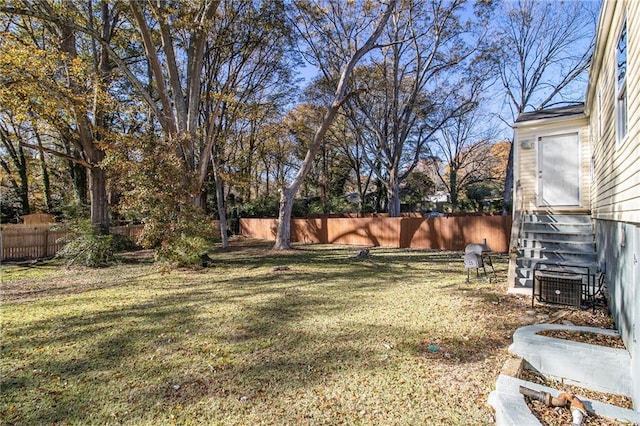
(527, 159)
(616, 196)
(615, 192)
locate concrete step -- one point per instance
(569, 228)
(550, 235)
(551, 254)
(529, 262)
(554, 239)
(524, 278)
(558, 244)
(558, 218)
(524, 283)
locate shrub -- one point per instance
(183, 251)
(180, 242)
(85, 247)
(265, 206)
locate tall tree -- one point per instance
(13, 160)
(171, 36)
(465, 147)
(542, 50)
(174, 39)
(414, 87)
(247, 70)
(164, 49)
(337, 35)
(73, 75)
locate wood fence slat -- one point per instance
(25, 242)
(444, 233)
(21, 242)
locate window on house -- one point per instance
(621, 84)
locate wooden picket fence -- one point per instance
(24, 242)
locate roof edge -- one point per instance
(605, 20)
(551, 114)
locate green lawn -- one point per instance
(398, 338)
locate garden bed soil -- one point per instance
(585, 337)
(555, 416)
(600, 318)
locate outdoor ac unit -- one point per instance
(561, 289)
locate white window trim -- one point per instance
(621, 118)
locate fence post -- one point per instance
(46, 241)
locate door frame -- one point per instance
(559, 132)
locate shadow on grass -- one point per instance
(183, 344)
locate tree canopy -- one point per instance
(170, 112)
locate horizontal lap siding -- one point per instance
(616, 188)
(527, 172)
(616, 194)
(527, 169)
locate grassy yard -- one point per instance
(395, 339)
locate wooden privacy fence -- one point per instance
(23, 242)
(30, 241)
(444, 233)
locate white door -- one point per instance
(559, 170)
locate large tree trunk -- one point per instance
(99, 203)
(393, 195)
(283, 237)
(90, 134)
(222, 208)
(393, 200)
(283, 232)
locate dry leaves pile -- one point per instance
(590, 338)
(553, 416)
